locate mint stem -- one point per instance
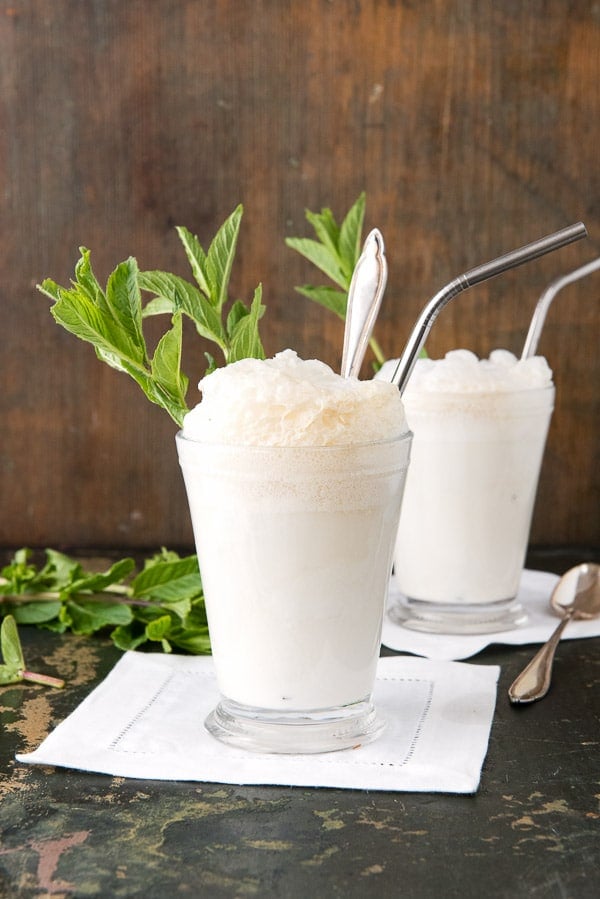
(45, 679)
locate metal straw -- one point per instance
(468, 279)
(543, 304)
(364, 299)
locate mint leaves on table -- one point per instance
(12, 669)
(162, 604)
(112, 319)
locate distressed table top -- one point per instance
(532, 829)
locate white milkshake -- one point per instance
(479, 430)
(294, 478)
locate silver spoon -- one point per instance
(577, 595)
(364, 299)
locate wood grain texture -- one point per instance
(472, 126)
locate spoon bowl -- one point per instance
(577, 595)
(579, 589)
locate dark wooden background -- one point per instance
(472, 125)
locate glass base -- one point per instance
(323, 730)
(446, 618)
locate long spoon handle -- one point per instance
(364, 299)
(534, 681)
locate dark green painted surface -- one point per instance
(533, 829)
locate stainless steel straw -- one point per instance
(543, 304)
(364, 299)
(468, 279)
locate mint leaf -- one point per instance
(335, 253)
(175, 293)
(112, 319)
(59, 569)
(87, 281)
(78, 314)
(36, 612)
(326, 229)
(101, 581)
(86, 618)
(169, 580)
(124, 301)
(13, 669)
(166, 368)
(61, 595)
(220, 256)
(245, 340)
(329, 297)
(350, 239)
(196, 257)
(10, 645)
(327, 261)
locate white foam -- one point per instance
(288, 401)
(461, 371)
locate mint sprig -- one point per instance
(12, 669)
(335, 252)
(112, 319)
(162, 603)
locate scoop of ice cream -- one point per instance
(288, 401)
(461, 371)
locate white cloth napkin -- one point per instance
(534, 594)
(145, 720)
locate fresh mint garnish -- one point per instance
(112, 319)
(335, 252)
(12, 669)
(163, 603)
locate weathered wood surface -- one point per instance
(472, 126)
(530, 830)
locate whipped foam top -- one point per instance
(288, 401)
(461, 371)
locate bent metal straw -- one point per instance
(544, 302)
(475, 276)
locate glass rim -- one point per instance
(295, 447)
(546, 388)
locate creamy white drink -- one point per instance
(479, 429)
(294, 477)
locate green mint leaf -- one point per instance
(329, 297)
(9, 675)
(86, 618)
(157, 306)
(350, 241)
(166, 366)
(87, 281)
(326, 229)
(10, 644)
(320, 256)
(36, 612)
(196, 257)
(97, 582)
(245, 340)
(19, 574)
(235, 314)
(169, 580)
(159, 628)
(78, 315)
(179, 294)
(220, 256)
(124, 638)
(123, 298)
(194, 640)
(211, 363)
(59, 569)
